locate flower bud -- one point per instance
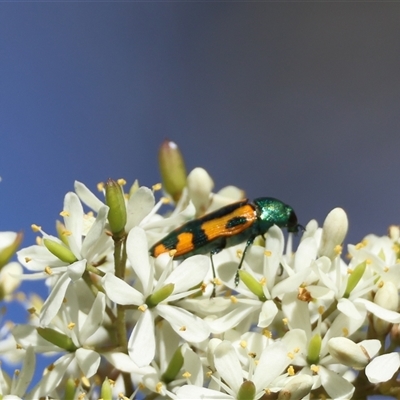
(57, 338)
(199, 185)
(247, 391)
(386, 297)
(172, 168)
(60, 251)
(174, 366)
(354, 278)
(106, 390)
(252, 284)
(11, 242)
(160, 295)
(314, 349)
(297, 388)
(116, 201)
(348, 353)
(334, 231)
(10, 279)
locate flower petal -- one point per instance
(120, 292)
(88, 361)
(382, 368)
(94, 318)
(142, 344)
(139, 206)
(74, 222)
(188, 326)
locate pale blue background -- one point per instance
(298, 101)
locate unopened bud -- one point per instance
(334, 231)
(200, 185)
(172, 168)
(11, 242)
(297, 388)
(386, 297)
(70, 389)
(116, 201)
(349, 353)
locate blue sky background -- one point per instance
(298, 101)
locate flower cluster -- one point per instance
(300, 323)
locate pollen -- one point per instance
(18, 347)
(36, 228)
(122, 396)
(100, 186)
(296, 349)
(291, 371)
(172, 252)
(268, 253)
(82, 396)
(217, 281)
(304, 295)
(321, 310)
(38, 241)
(159, 387)
(187, 374)
(315, 369)
(368, 261)
(71, 326)
(50, 367)
(338, 249)
(239, 253)
(64, 213)
(290, 355)
(142, 308)
(263, 281)
(28, 259)
(183, 328)
(285, 321)
(121, 182)
(243, 344)
(85, 381)
(165, 200)
(156, 187)
(267, 333)
(234, 299)
(48, 270)
(17, 372)
(345, 332)
(31, 310)
(66, 232)
(386, 269)
(350, 271)
(252, 354)
(381, 284)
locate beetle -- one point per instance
(230, 225)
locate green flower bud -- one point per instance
(314, 349)
(57, 338)
(247, 391)
(160, 295)
(106, 390)
(116, 201)
(252, 284)
(7, 252)
(354, 278)
(60, 251)
(174, 366)
(70, 389)
(172, 168)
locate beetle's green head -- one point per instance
(274, 212)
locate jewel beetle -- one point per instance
(230, 225)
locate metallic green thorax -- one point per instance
(271, 211)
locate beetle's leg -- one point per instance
(214, 274)
(248, 244)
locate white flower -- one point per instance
(188, 274)
(82, 250)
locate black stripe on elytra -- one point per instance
(235, 221)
